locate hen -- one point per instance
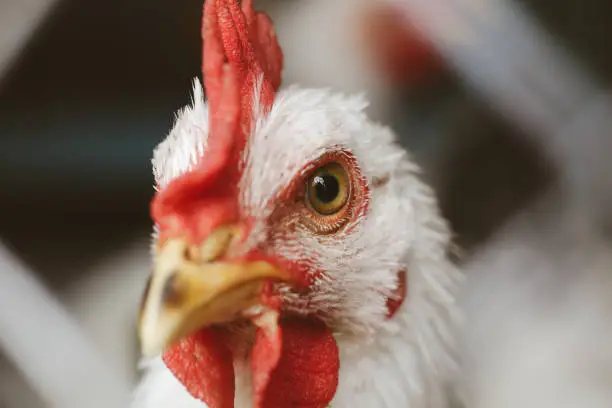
(299, 261)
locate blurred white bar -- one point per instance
(500, 51)
(524, 73)
(105, 300)
(322, 49)
(48, 347)
(18, 20)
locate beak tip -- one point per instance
(151, 342)
(150, 348)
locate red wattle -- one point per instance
(295, 366)
(265, 356)
(396, 301)
(203, 363)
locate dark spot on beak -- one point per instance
(171, 294)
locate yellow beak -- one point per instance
(189, 289)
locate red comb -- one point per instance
(246, 42)
(242, 64)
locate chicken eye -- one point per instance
(328, 188)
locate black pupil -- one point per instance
(326, 188)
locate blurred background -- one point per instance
(88, 88)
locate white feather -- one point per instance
(399, 362)
(42, 339)
(538, 302)
(186, 143)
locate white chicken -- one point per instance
(299, 261)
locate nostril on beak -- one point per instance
(211, 249)
(191, 254)
(217, 244)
